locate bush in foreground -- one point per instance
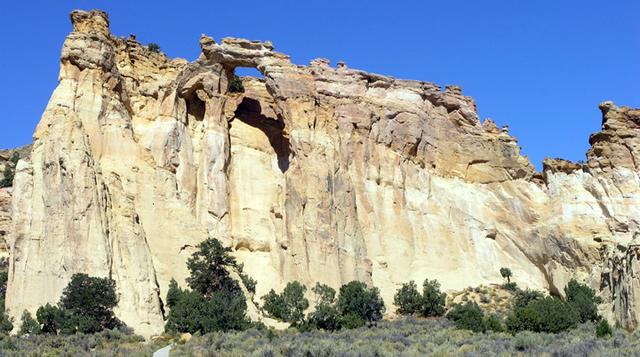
(548, 314)
(409, 337)
(88, 303)
(359, 304)
(289, 306)
(216, 301)
(433, 300)
(28, 326)
(86, 306)
(430, 303)
(603, 329)
(469, 316)
(525, 297)
(583, 299)
(192, 312)
(326, 315)
(408, 299)
(106, 343)
(209, 269)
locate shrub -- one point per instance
(356, 299)
(325, 317)
(249, 283)
(86, 306)
(7, 179)
(506, 274)
(548, 314)
(492, 323)
(6, 323)
(216, 302)
(208, 267)
(192, 312)
(524, 297)
(90, 301)
(236, 86)
(50, 318)
(29, 325)
(467, 317)
(433, 300)
(583, 299)
(9, 171)
(274, 305)
(186, 312)
(4, 276)
(15, 157)
(526, 341)
(510, 286)
(154, 47)
(224, 312)
(408, 299)
(603, 329)
(288, 306)
(325, 295)
(351, 321)
(174, 294)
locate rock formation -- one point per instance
(5, 196)
(313, 173)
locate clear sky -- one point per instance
(541, 67)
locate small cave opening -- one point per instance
(195, 106)
(249, 111)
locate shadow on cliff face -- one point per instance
(249, 111)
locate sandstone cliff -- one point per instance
(314, 173)
(5, 196)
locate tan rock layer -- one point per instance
(313, 173)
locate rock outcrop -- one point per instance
(313, 173)
(5, 221)
(6, 159)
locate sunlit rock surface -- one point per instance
(314, 173)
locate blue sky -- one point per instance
(540, 66)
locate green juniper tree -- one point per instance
(288, 306)
(29, 326)
(359, 304)
(216, 301)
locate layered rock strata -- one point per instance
(313, 173)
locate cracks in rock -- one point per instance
(474, 162)
(633, 159)
(185, 247)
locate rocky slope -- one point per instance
(314, 173)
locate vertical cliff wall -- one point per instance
(314, 173)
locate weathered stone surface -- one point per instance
(314, 173)
(618, 144)
(5, 196)
(5, 221)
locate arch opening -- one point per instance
(249, 111)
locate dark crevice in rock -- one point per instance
(250, 112)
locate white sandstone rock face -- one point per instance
(312, 174)
(7, 158)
